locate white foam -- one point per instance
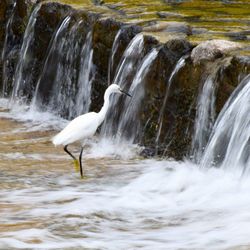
(33, 119)
(107, 147)
(149, 205)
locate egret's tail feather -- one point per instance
(56, 140)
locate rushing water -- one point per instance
(205, 117)
(113, 52)
(178, 66)
(230, 140)
(125, 72)
(56, 47)
(21, 79)
(129, 126)
(124, 203)
(67, 74)
(9, 37)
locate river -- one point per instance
(124, 202)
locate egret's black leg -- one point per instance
(80, 161)
(67, 151)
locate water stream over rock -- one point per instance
(229, 142)
(21, 78)
(6, 50)
(193, 114)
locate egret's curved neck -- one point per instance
(105, 106)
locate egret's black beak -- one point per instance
(125, 93)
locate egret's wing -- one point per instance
(81, 127)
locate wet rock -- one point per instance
(166, 14)
(156, 87)
(174, 137)
(49, 17)
(232, 71)
(171, 27)
(98, 2)
(3, 20)
(196, 31)
(104, 32)
(238, 36)
(179, 46)
(210, 50)
(3, 17)
(13, 41)
(175, 1)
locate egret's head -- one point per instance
(116, 89)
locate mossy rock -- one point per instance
(104, 32)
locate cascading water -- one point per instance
(130, 60)
(54, 52)
(113, 52)
(71, 92)
(178, 66)
(64, 96)
(205, 117)
(125, 202)
(67, 93)
(124, 74)
(129, 124)
(9, 36)
(83, 97)
(21, 79)
(229, 143)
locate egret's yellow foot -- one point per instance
(77, 165)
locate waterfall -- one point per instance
(68, 68)
(69, 87)
(129, 61)
(229, 143)
(6, 50)
(55, 48)
(129, 123)
(113, 52)
(83, 97)
(20, 78)
(205, 117)
(123, 77)
(62, 97)
(178, 66)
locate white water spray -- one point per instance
(205, 117)
(129, 124)
(229, 144)
(113, 52)
(125, 71)
(83, 97)
(178, 66)
(56, 45)
(5, 51)
(19, 80)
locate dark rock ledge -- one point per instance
(217, 57)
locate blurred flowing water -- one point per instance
(205, 116)
(21, 79)
(9, 37)
(229, 144)
(125, 202)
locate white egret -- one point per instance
(85, 126)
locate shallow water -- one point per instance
(214, 19)
(125, 202)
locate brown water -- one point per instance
(216, 19)
(125, 202)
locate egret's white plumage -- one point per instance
(78, 129)
(85, 126)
